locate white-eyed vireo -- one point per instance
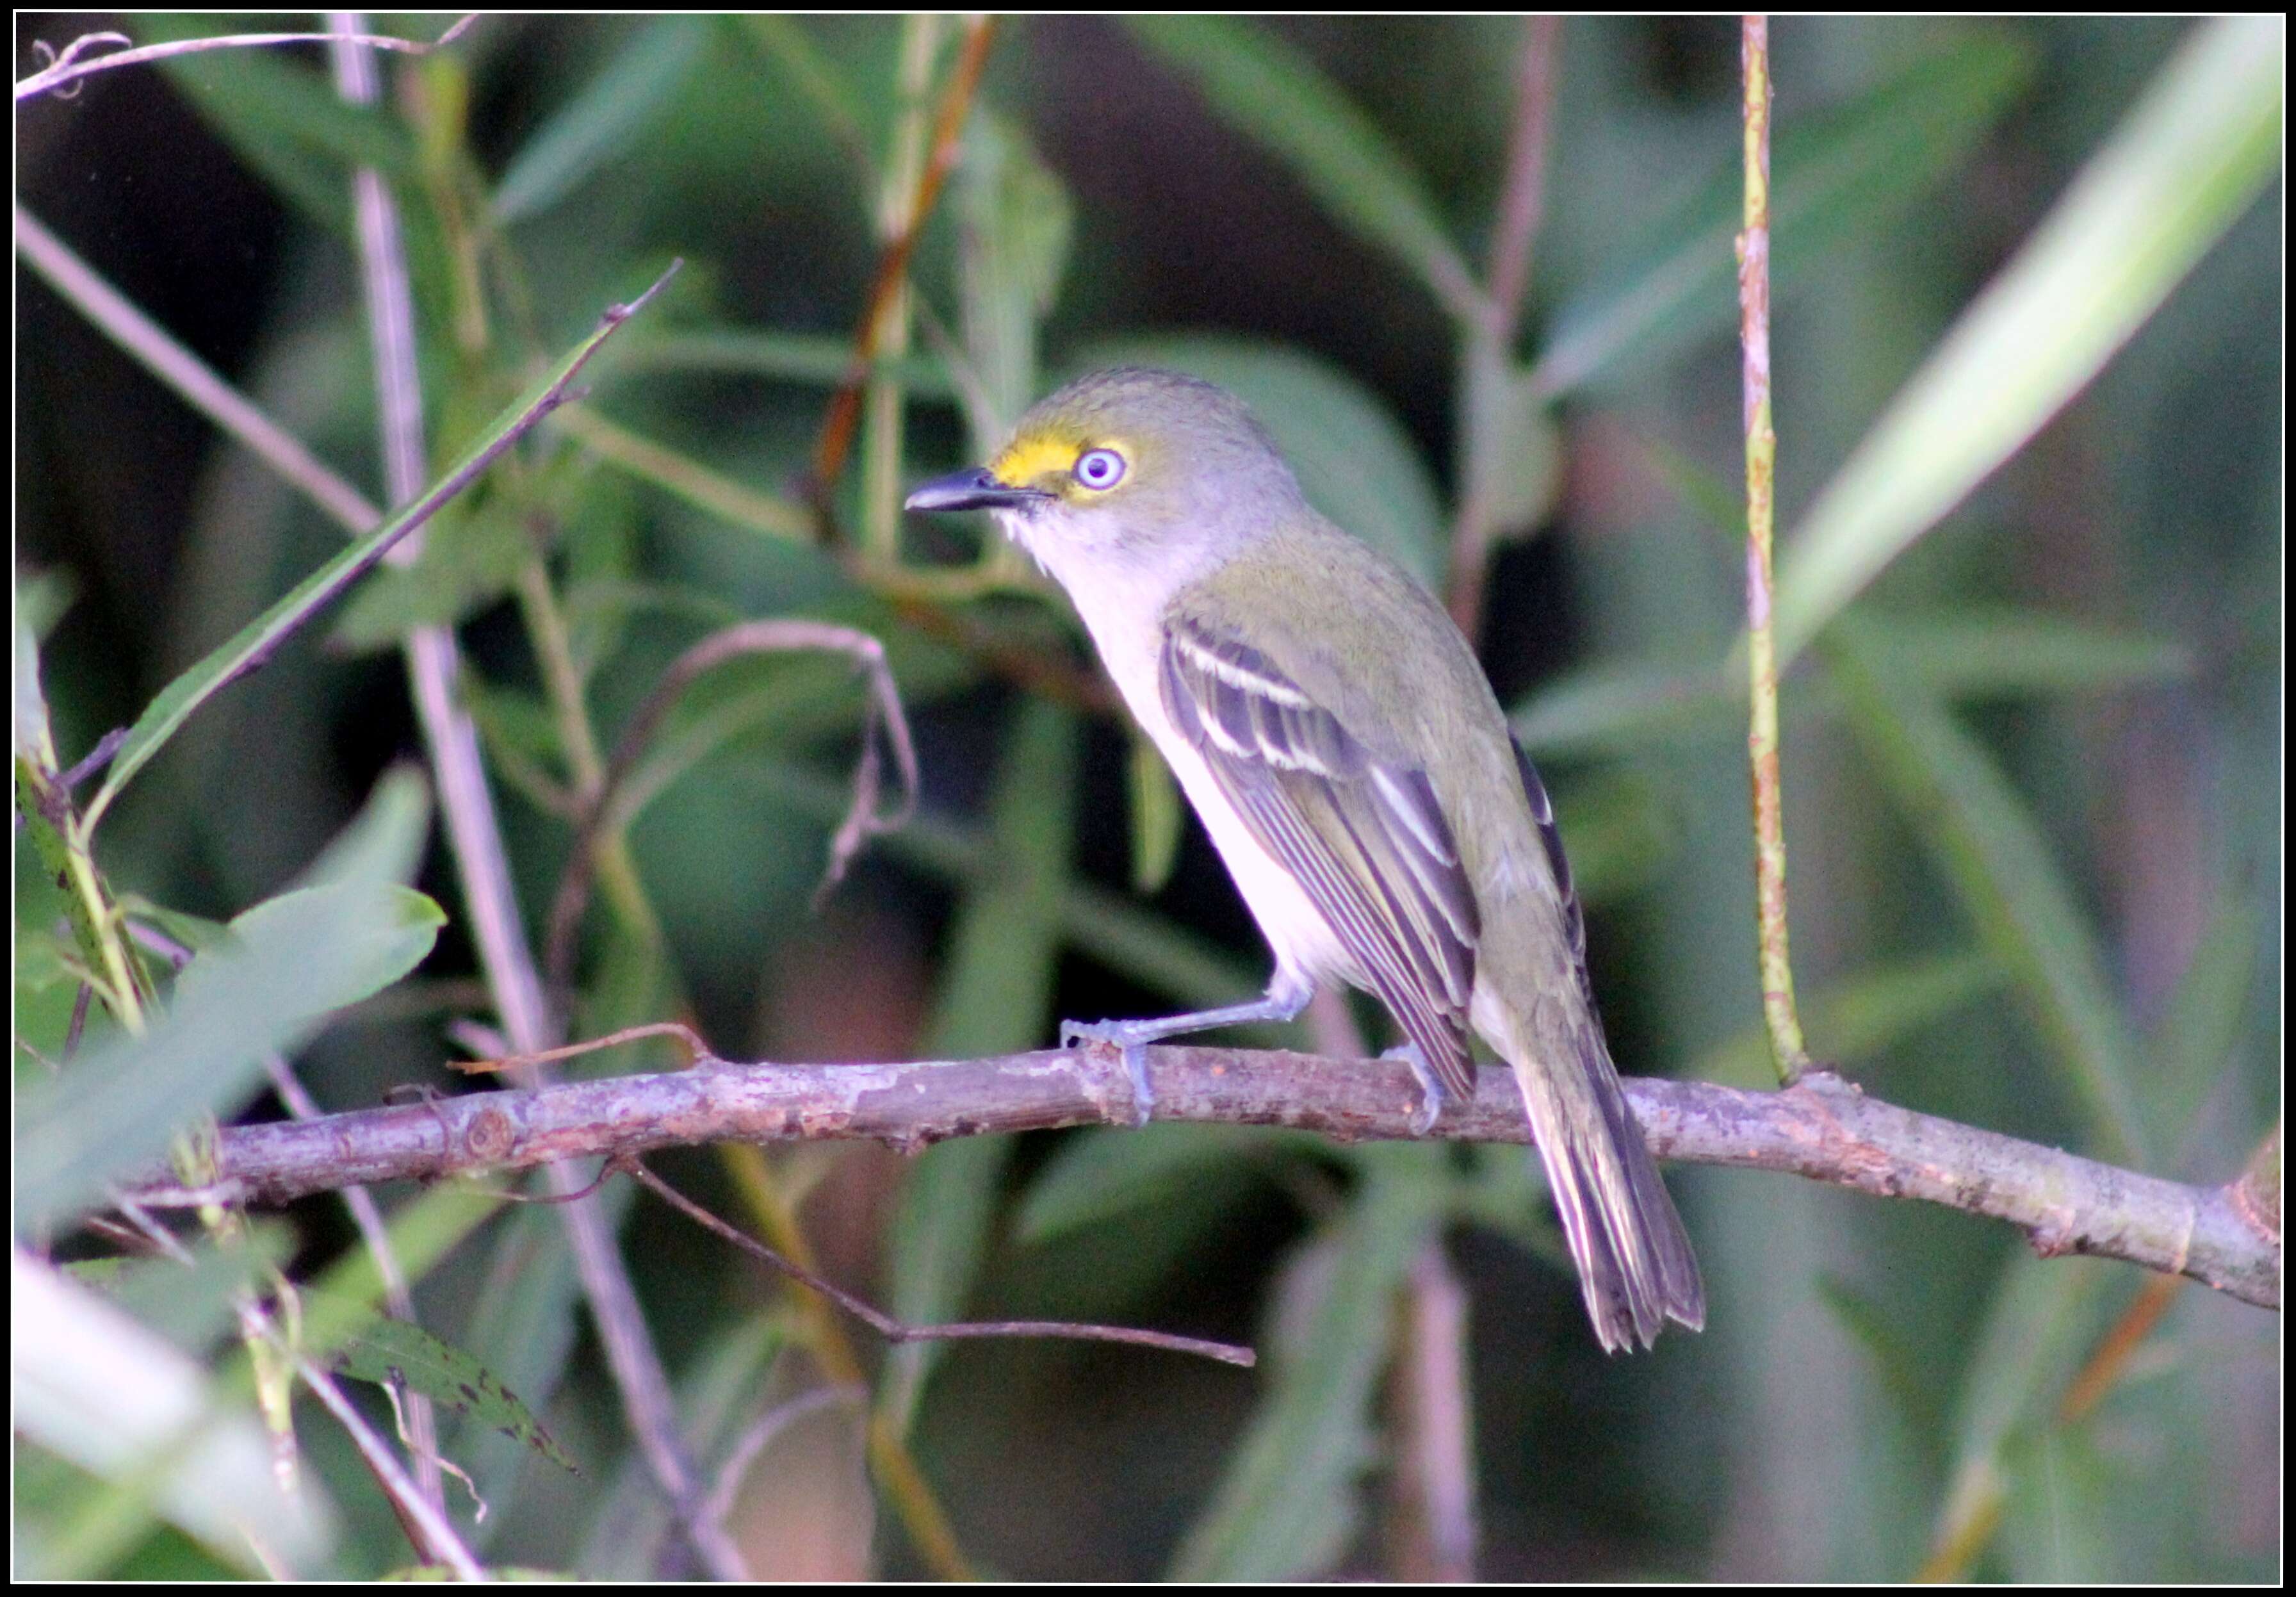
(1338, 740)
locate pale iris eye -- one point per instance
(1099, 468)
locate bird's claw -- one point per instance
(1430, 1090)
(1134, 1051)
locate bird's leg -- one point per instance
(1431, 1087)
(1287, 995)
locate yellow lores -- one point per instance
(1340, 744)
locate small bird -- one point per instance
(1336, 735)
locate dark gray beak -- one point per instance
(971, 489)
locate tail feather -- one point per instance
(1635, 1261)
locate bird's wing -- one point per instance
(1365, 838)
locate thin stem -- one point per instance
(1487, 405)
(602, 817)
(844, 413)
(897, 1331)
(120, 321)
(1522, 201)
(880, 488)
(475, 835)
(896, 1469)
(1434, 1403)
(67, 67)
(1778, 1010)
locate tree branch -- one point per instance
(1822, 1128)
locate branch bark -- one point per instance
(1822, 1128)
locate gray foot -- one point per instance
(1430, 1090)
(1124, 1035)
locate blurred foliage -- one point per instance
(2027, 374)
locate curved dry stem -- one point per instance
(863, 817)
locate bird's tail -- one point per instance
(1634, 1258)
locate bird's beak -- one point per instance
(975, 487)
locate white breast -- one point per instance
(1126, 630)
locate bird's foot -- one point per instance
(1430, 1090)
(1125, 1037)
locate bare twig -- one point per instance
(762, 1431)
(862, 820)
(466, 802)
(1434, 1488)
(1820, 1128)
(66, 66)
(96, 757)
(1786, 1045)
(897, 1331)
(169, 361)
(844, 413)
(433, 1533)
(1486, 330)
(1522, 202)
(399, 394)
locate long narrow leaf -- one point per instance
(256, 642)
(604, 117)
(1287, 1505)
(998, 997)
(2182, 167)
(89, 1383)
(291, 962)
(1986, 842)
(283, 118)
(1836, 174)
(1278, 98)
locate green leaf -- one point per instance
(194, 1306)
(1157, 817)
(1100, 1174)
(468, 562)
(2042, 1315)
(30, 737)
(2201, 1032)
(1286, 1506)
(283, 117)
(1987, 844)
(606, 117)
(1110, 928)
(254, 642)
(1833, 175)
(1863, 1015)
(1281, 100)
(391, 1353)
(996, 997)
(89, 1384)
(1999, 654)
(1513, 441)
(291, 962)
(42, 598)
(819, 81)
(1013, 224)
(816, 359)
(1624, 707)
(2182, 168)
(1896, 1365)
(1354, 460)
(1620, 707)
